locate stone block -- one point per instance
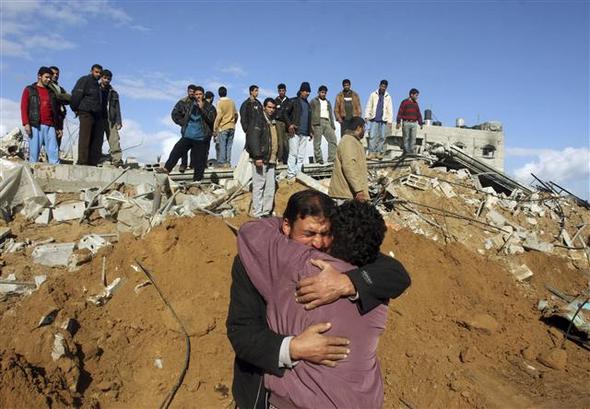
(447, 190)
(44, 217)
(53, 255)
(522, 272)
(496, 218)
(69, 211)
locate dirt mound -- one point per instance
(465, 335)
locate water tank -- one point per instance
(460, 123)
(428, 122)
(428, 115)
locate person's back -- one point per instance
(356, 381)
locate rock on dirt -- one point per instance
(483, 323)
(555, 358)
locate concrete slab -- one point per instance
(92, 242)
(311, 182)
(44, 217)
(496, 218)
(447, 190)
(532, 243)
(69, 211)
(73, 178)
(4, 233)
(53, 255)
(521, 272)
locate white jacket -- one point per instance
(371, 107)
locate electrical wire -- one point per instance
(170, 396)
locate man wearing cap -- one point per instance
(409, 113)
(379, 113)
(298, 117)
(348, 105)
(322, 122)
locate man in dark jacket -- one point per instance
(63, 99)
(40, 117)
(262, 143)
(322, 122)
(298, 116)
(282, 102)
(195, 118)
(111, 112)
(258, 349)
(250, 111)
(86, 103)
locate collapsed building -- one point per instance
(93, 257)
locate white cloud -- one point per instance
(567, 167)
(20, 40)
(235, 70)
(9, 115)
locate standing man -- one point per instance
(379, 112)
(299, 127)
(224, 127)
(348, 105)
(322, 122)
(409, 113)
(63, 99)
(39, 111)
(111, 113)
(350, 178)
(251, 111)
(190, 93)
(86, 103)
(196, 118)
(282, 102)
(263, 147)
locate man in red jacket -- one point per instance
(39, 110)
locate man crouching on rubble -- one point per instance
(259, 349)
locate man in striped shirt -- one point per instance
(409, 113)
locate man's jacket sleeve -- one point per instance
(244, 117)
(178, 113)
(350, 167)
(379, 281)
(78, 93)
(247, 329)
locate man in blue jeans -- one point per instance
(379, 114)
(41, 115)
(409, 113)
(224, 128)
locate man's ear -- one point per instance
(286, 227)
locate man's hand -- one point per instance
(361, 197)
(292, 129)
(28, 130)
(313, 347)
(59, 133)
(325, 287)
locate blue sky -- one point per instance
(523, 63)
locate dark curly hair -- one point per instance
(358, 230)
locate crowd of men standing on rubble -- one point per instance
(277, 129)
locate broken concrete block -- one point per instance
(508, 204)
(92, 242)
(13, 246)
(496, 218)
(514, 248)
(44, 217)
(17, 288)
(311, 182)
(4, 233)
(53, 255)
(566, 238)
(522, 272)
(52, 197)
(86, 195)
(34, 206)
(447, 190)
(143, 189)
(59, 347)
(69, 211)
(132, 219)
(463, 173)
(107, 293)
(488, 189)
(532, 243)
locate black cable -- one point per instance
(170, 396)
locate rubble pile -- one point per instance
(497, 279)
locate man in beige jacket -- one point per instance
(350, 177)
(224, 127)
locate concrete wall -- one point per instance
(472, 141)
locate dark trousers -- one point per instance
(184, 160)
(199, 154)
(90, 138)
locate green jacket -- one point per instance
(315, 113)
